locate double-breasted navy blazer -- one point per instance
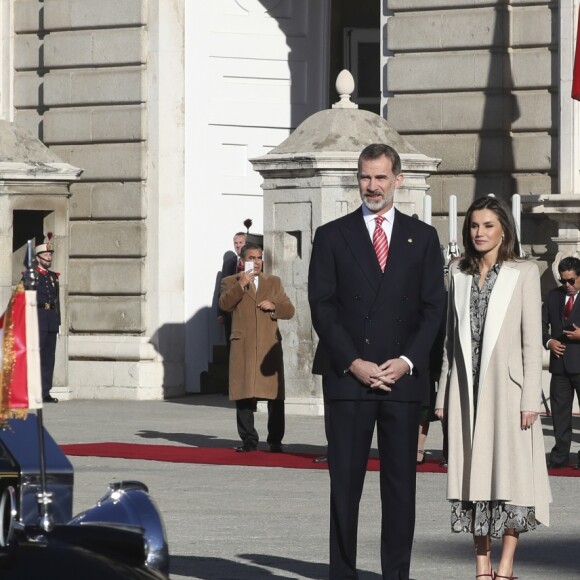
(359, 312)
(553, 327)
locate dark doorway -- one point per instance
(355, 45)
(26, 225)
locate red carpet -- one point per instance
(221, 456)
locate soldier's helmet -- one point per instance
(47, 246)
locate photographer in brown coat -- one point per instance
(256, 301)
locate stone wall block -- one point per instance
(466, 188)
(111, 314)
(91, 86)
(532, 26)
(59, 14)
(106, 277)
(533, 67)
(533, 111)
(532, 152)
(27, 87)
(28, 118)
(107, 239)
(456, 112)
(415, 113)
(113, 162)
(27, 16)
(26, 51)
(445, 71)
(535, 184)
(94, 124)
(94, 48)
(108, 201)
(435, 30)
(458, 152)
(90, 375)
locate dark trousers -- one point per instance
(562, 389)
(245, 409)
(350, 430)
(47, 345)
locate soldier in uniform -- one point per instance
(47, 298)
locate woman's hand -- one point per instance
(440, 414)
(528, 419)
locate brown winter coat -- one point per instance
(256, 363)
(491, 458)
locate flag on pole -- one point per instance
(20, 388)
(576, 73)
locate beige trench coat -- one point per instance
(492, 458)
(256, 362)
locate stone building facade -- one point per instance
(162, 103)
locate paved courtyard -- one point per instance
(238, 523)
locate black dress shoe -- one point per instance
(245, 448)
(321, 459)
(49, 399)
(275, 448)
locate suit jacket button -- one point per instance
(357, 297)
(367, 341)
(397, 342)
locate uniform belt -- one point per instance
(46, 306)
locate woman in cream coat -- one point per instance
(490, 389)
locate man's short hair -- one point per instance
(376, 150)
(569, 263)
(249, 247)
(240, 234)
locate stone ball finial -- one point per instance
(344, 88)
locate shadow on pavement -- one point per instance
(201, 440)
(259, 566)
(203, 400)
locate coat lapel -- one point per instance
(497, 307)
(462, 294)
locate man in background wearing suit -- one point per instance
(233, 264)
(376, 294)
(561, 336)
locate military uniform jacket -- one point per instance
(47, 299)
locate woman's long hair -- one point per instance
(510, 246)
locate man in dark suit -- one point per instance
(376, 323)
(233, 264)
(561, 336)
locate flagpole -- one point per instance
(43, 498)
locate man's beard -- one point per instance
(375, 205)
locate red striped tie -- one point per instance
(568, 307)
(380, 242)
